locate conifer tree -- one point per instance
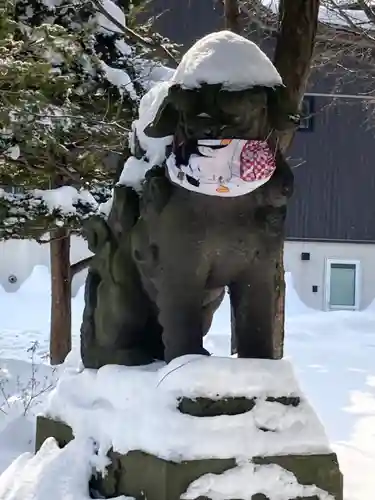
(71, 77)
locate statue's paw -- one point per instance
(95, 356)
(171, 355)
(134, 357)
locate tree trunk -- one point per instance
(61, 317)
(293, 58)
(232, 16)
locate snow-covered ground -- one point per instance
(332, 353)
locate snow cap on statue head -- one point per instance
(228, 59)
(224, 78)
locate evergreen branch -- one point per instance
(93, 121)
(159, 49)
(25, 215)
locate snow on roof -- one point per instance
(227, 58)
(338, 17)
(141, 404)
(338, 13)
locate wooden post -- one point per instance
(60, 333)
(61, 296)
(279, 324)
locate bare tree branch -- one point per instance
(345, 39)
(368, 10)
(356, 29)
(334, 35)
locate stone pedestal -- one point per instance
(138, 474)
(144, 476)
(270, 415)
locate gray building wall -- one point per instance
(314, 272)
(335, 185)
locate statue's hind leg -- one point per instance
(118, 327)
(120, 323)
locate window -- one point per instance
(307, 114)
(342, 284)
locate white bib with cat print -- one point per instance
(224, 167)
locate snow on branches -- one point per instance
(71, 77)
(37, 211)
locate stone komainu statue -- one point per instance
(164, 257)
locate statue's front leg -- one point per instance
(180, 294)
(253, 298)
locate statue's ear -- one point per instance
(165, 121)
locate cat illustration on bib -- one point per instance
(224, 167)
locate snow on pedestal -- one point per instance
(137, 409)
(249, 479)
(53, 473)
(49, 474)
(142, 418)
